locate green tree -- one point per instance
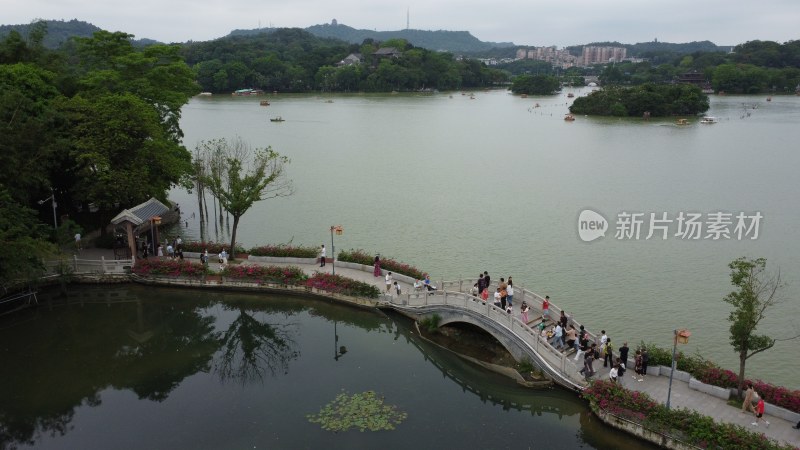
(757, 292)
(22, 243)
(535, 84)
(28, 120)
(157, 75)
(244, 176)
(120, 152)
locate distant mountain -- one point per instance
(58, 31)
(440, 40)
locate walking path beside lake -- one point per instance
(655, 386)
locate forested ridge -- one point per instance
(293, 60)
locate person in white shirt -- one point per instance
(322, 256)
(223, 258)
(557, 342)
(612, 374)
(388, 282)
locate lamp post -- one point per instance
(681, 336)
(52, 199)
(338, 351)
(339, 230)
(154, 221)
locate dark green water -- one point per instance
(130, 367)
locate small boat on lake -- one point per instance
(682, 122)
(708, 120)
(277, 119)
(569, 118)
(248, 91)
(570, 95)
(264, 103)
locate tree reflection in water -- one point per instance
(250, 348)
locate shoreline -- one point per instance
(234, 286)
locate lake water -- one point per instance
(456, 186)
(132, 367)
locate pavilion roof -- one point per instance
(141, 213)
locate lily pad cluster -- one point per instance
(365, 411)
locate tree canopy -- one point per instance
(535, 84)
(22, 243)
(658, 99)
(96, 120)
(757, 292)
(296, 61)
(238, 176)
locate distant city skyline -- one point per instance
(524, 23)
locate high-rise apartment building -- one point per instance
(600, 55)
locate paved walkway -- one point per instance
(683, 397)
(655, 386)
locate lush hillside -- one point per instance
(58, 31)
(294, 60)
(440, 40)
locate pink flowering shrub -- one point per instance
(286, 275)
(691, 426)
(710, 373)
(285, 251)
(341, 285)
(168, 267)
(367, 259)
(775, 395)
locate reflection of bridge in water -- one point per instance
(473, 378)
(520, 339)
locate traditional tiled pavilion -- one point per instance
(139, 219)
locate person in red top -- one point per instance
(546, 307)
(760, 412)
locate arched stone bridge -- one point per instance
(520, 339)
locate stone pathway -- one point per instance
(683, 397)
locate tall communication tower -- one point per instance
(408, 19)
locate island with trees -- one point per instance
(656, 100)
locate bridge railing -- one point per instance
(521, 294)
(559, 364)
(88, 266)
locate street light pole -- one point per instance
(333, 252)
(681, 335)
(52, 199)
(152, 237)
(339, 230)
(672, 365)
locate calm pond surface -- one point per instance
(133, 367)
(457, 186)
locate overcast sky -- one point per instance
(524, 22)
